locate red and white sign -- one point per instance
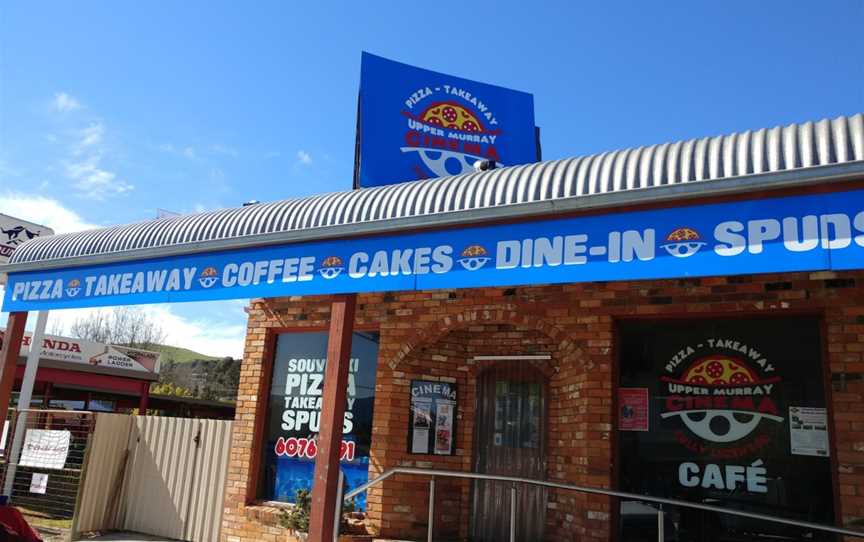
(111, 356)
(14, 231)
(633, 409)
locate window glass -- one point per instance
(294, 411)
(731, 413)
(66, 404)
(101, 405)
(517, 414)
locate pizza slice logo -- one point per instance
(722, 392)
(722, 404)
(451, 134)
(683, 242)
(474, 257)
(719, 371)
(73, 287)
(453, 116)
(208, 277)
(331, 267)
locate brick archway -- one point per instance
(509, 314)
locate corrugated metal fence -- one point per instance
(154, 475)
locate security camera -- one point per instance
(484, 165)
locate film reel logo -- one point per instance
(721, 399)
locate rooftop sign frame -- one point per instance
(415, 123)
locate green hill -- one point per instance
(180, 355)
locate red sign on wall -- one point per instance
(633, 409)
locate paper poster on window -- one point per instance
(45, 448)
(633, 409)
(444, 429)
(432, 425)
(808, 431)
(3, 437)
(39, 483)
(422, 416)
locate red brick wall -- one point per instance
(435, 334)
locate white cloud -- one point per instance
(304, 157)
(187, 152)
(89, 138)
(203, 335)
(64, 103)
(224, 149)
(42, 210)
(218, 331)
(92, 180)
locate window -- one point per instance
(294, 410)
(735, 417)
(517, 414)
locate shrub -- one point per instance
(296, 518)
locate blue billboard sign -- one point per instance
(415, 124)
(792, 233)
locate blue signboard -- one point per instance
(794, 233)
(417, 123)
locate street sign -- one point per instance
(13, 232)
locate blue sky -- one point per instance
(110, 111)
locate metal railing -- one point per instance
(582, 489)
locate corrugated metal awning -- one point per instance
(796, 154)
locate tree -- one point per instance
(123, 326)
(168, 388)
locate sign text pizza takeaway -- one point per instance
(560, 250)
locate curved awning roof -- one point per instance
(828, 150)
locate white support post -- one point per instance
(24, 397)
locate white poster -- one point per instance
(422, 424)
(808, 431)
(39, 483)
(3, 437)
(45, 449)
(444, 428)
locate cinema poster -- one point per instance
(294, 414)
(432, 427)
(417, 124)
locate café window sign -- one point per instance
(294, 414)
(736, 414)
